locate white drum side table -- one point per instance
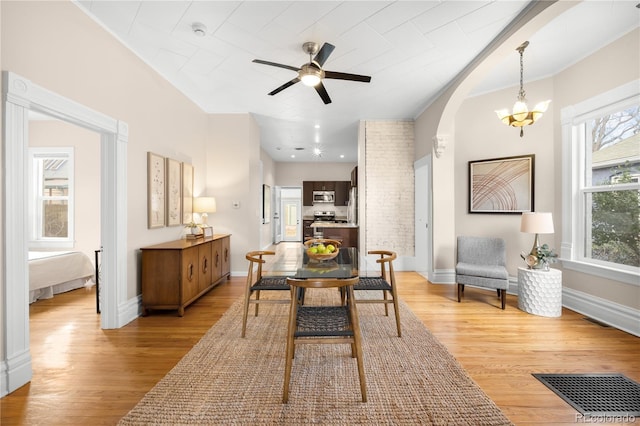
(540, 292)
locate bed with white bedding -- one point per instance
(53, 272)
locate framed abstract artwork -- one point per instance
(155, 190)
(187, 193)
(502, 185)
(174, 192)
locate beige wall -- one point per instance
(55, 45)
(480, 135)
(613, 66)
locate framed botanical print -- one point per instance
(174, 192)
(502, 185)
(187, 193)
(155, 190)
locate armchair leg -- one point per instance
(460, 291)
(503, 297)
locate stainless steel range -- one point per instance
(324, 216)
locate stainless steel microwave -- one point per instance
(324, 196)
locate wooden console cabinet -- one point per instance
(176, 273)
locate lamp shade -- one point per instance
(204, 205)
(537, 223)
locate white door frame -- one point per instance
(22, 96)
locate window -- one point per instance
(601, 157)
(51, 197)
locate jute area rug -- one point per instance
(228, 380)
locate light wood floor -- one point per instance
(87, 376)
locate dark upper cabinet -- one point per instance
(342, 193)
(354, 177)
(324, 185)
(308, 186)
(307, 193)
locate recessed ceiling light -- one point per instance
(199, 29)
(317, 126)
(293, 156)
(316, 151)
(341, 155)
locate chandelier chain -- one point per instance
(521, 93)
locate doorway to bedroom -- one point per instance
(63, 166)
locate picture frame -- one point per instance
(187, 193)
(174, 192)
(156, 188)
(266, 204)
(502, 185)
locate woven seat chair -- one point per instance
(257, 283)
(326, 324)
(386, 283)
(481, 262)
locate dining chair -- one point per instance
(323, 324)
(386, 283)
(257, 283)
(481, 262)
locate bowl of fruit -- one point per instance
(322, 249)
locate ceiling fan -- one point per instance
(311, 73)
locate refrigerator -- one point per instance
(352, 207)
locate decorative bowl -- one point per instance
(322, 256)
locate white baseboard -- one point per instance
(442, 276)
(619, 316)
(15, 371)
(130, 310)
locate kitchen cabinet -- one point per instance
(342, 193)
(354, 177)
(341, 189)
(324, 185)
(307, 193)
(348, 235)
(176, 273)
(307, 230)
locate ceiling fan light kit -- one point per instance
(520, 115)
(311, 74)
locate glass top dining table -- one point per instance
(293, 261)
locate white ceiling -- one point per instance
(411, 49)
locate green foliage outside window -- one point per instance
(616, 224)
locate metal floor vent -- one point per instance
(596, 394)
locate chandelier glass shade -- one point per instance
(520, 115)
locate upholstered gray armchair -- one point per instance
(481, 263)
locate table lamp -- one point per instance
(204, 205)
(536, 223)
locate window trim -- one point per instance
(35, 240)
(573, 161)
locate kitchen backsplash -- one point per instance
(341, 211)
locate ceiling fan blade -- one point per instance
(284, 86)
(323, 93)
(345, 76)
(275, 64)
(323, 53)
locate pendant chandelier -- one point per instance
(521, 116)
